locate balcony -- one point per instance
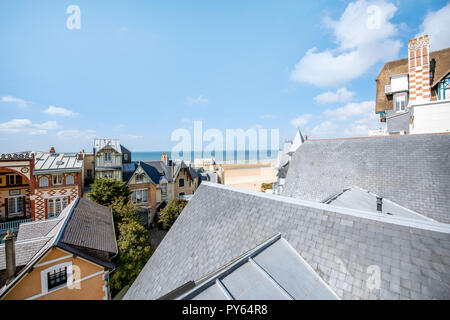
(14, 225)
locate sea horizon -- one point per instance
(225, 157)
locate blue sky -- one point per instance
(138, 70)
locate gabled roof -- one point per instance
(162, 168)
(83, 228)
(124, 150)
(400, 66)
(151, 171)
(411, 170)
(45, 162)
(298, 141)
(114, 144)
(342, 245)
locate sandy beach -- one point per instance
(249, 176)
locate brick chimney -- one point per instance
(419, 69)
(80, 156)
(52, 150)
(10, 256)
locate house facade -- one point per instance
(109, 157)
(413, 94)
(16, 182)
(60, 259)
(57, 180)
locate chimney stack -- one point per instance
(379, 204)
(80, 156)
(419, 69)
(52, 150)
(10, 256)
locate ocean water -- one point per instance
(220, 157)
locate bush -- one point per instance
(266, 186)
(134, 251)
(105, 191)
(171, 212)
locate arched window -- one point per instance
(43, 182)
(69, 179)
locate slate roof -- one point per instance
(411, 170)
(56, 162)
(259, 275)
(342, 245)
(90, 226)
(391, 68)
(360, 199)
(151, 171)
(83, 228)
(162, 168)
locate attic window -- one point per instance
(56, 277)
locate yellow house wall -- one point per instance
(30, 284)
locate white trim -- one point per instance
(62, 287)
(52, 261)
(402, 221)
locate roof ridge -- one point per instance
(425, 225)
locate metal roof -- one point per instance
(259, 275)
(56, 162)
(114, 144)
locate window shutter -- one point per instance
(6, 208)
(24, 207)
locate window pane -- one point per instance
(19, 202)
(145, 197)
(11, 205)
(51, 207)
(57, 206)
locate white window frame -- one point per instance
(396, 98)
(51, 203)
(107, 157)
(135, 193)
(164, 190)
(70, 179)
(44, 284)
(141, 175)
(43, 181)
(57, 176)
(14, 198)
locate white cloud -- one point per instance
(435, 24)
(55, 111)
(324, 129)
(364, 36)
(21, 103)
(351, 110)
(267, 116)
(74, 134)
(199, 100)
(301, 120)
(341, 95)
(26, 126)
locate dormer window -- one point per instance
(139, 178)
(57, 179)
(400, 102)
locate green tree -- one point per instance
(171, 212)
(105, 191)
(134, 251)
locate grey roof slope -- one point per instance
(221, 223)
(90, 226)
(83, 228)
(360, 199)
(411, 170)
(259, 275)
(162, 168)
(151, 171)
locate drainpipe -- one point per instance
(10, 256)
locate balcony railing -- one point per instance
(14, 225)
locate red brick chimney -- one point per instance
(419, 69)
(80, 156)
(10, 256)
(52, 150)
